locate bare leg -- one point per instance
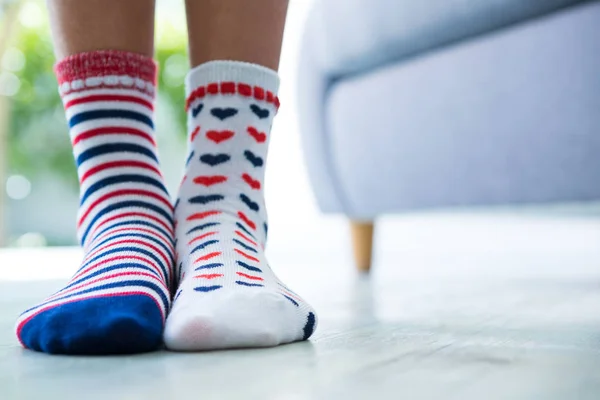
(240, 30)
(82, 26)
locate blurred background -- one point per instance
(39, 193)
(395, 50)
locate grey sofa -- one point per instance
(440, 103)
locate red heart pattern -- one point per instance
(253, 183)
(210, 180)
(260, 137)
(219, 136)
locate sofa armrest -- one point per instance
(314, 83)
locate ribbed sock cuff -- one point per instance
(231, 77)
(106, 68)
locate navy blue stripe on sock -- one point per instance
(125, 178)
(209, 266)
(137, 222)
(138, 235)
(203, 245)
(115, 148)
(245, 230)
(111, 268)
(114, 250)
(248, 267)
(154, 287)
(126, 204)
(202, 227)
(99, 114)
(245, 246)
(248, 284)
(294, 302)
(207, 288)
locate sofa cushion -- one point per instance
(351, 36)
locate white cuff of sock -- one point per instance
(232, 71)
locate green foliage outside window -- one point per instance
(38, 138)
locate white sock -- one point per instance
(228, 296)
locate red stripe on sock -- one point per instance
(110, 97)
(208, 256)
(202, 215)
(148, 261)
(254, 278)
(169, 229)
(245, 237)
(88, 283)
(201, 237)
(212, 88)
(249, 257)
(200, 92)
(132, 241)
(105, 63)
(242, 89)
(208, 276)
(124, 192)
(156, 234)
(259, 93)
(118, 164)
(228, 87)
(112, 130)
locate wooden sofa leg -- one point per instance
(362, 243)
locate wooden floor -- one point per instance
(515, 315)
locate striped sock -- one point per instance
(118, 299)
(228, 296)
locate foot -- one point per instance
(228, 296)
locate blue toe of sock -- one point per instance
(104, 325)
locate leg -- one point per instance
(117, 300)
(362, 243)
(240, 30)
(228, 296)
(81, 27)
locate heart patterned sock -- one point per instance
(118, 299)
(228, 296)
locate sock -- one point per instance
(118, 299)
(228, 296)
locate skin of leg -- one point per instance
(241, 30)
(82, 26)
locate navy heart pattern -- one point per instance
(196, 110)
(246, 224)
(223, 113)
(260, 112)
(255, 160)
(251, 204)
(231, 227)
(214, 159)
(206, 199)
(189, 158)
